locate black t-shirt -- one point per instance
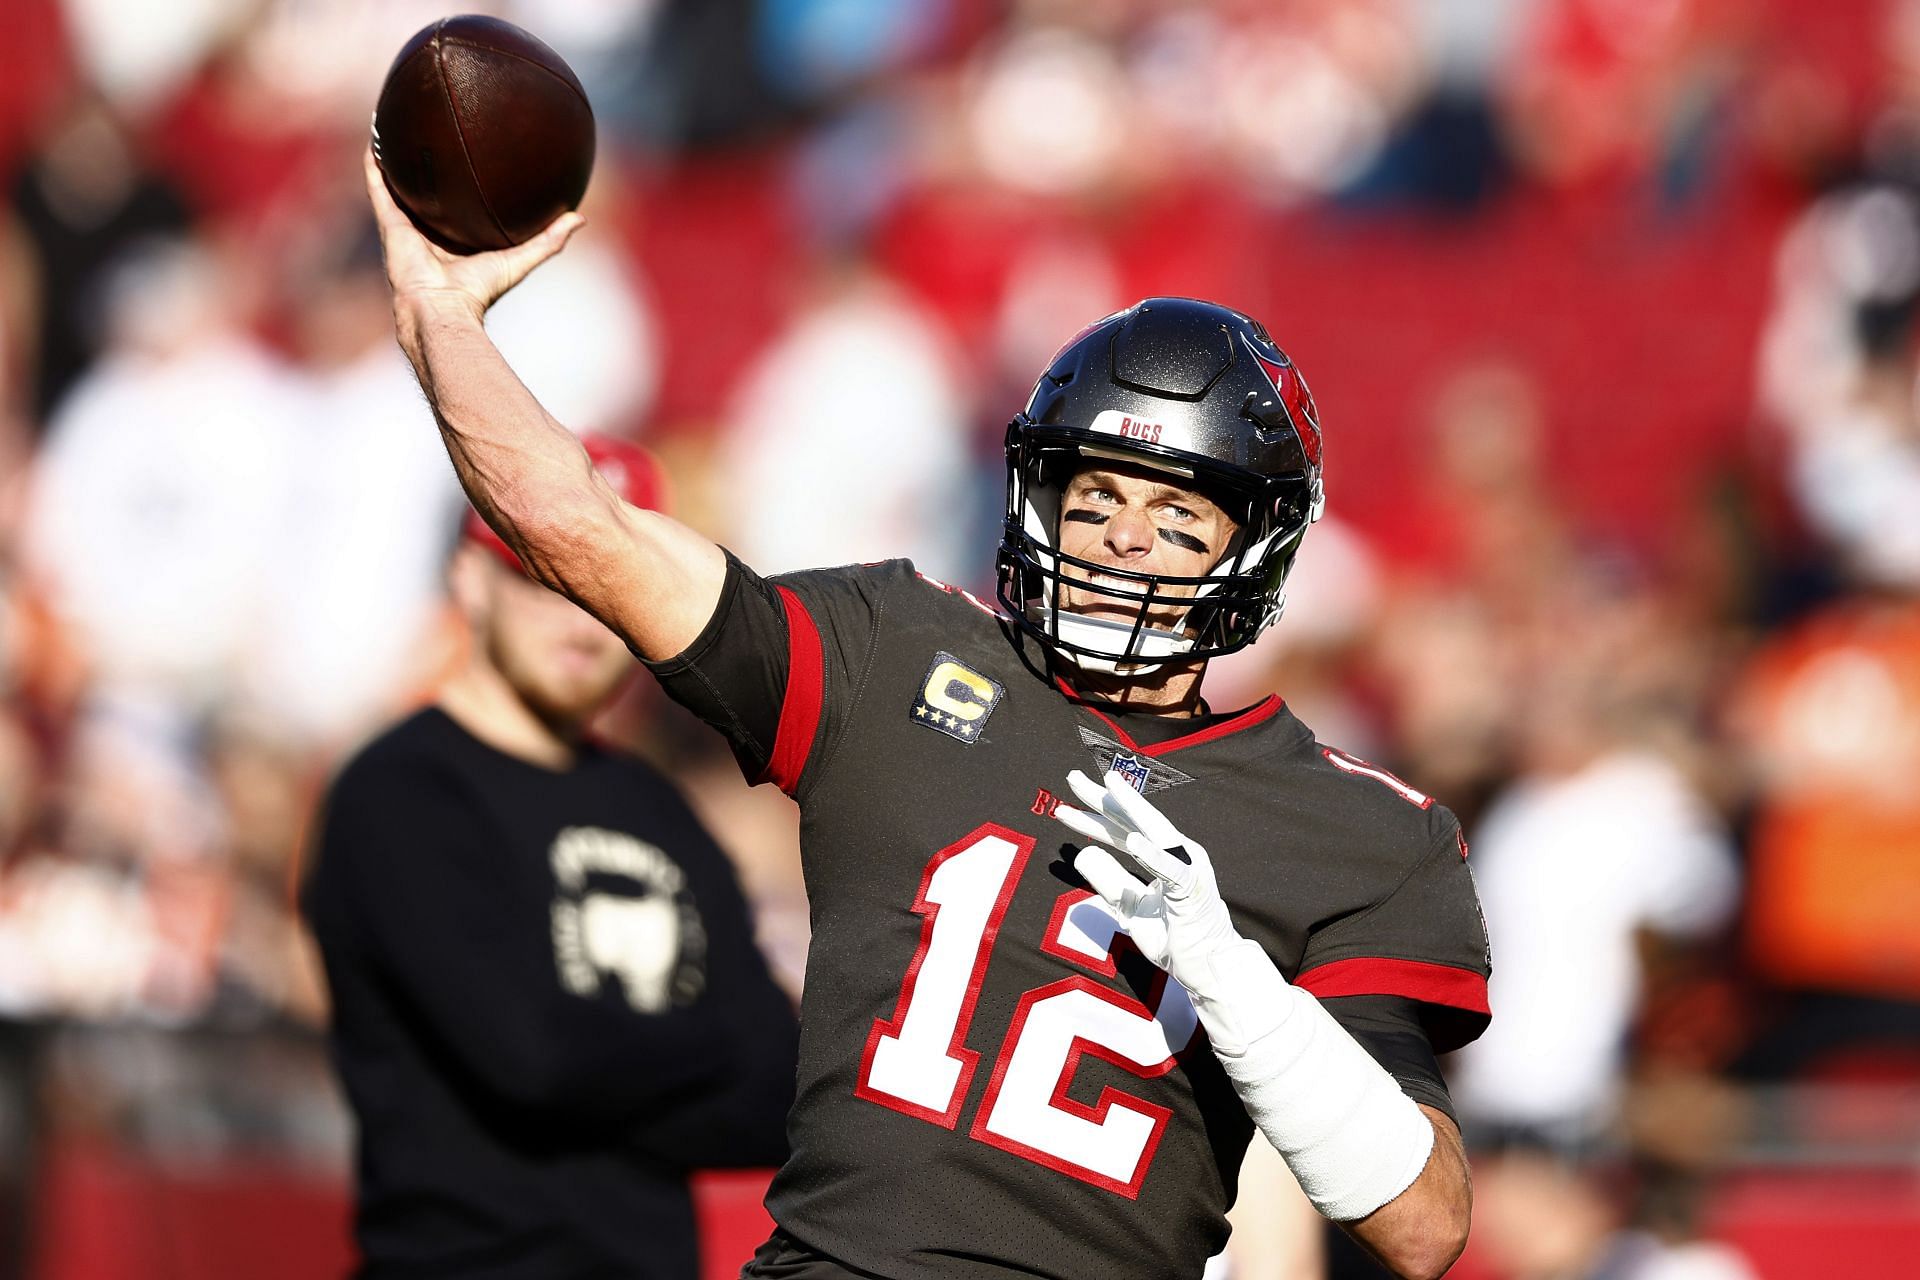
(992, 1079)
(547, 1007)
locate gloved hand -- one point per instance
(1351, 1136)
(1175, 915)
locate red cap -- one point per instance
(634, 473)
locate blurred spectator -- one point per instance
(547, 1004)
(1610, 93)
(598, 370)
(1828, 712)
(1839, 376)
(1596, 841)
(137, 55)
(157, 505)
(1460, 640)
(861, 386)
(1599, 850)
(82, 204)
(1831, 715)
(350, 607)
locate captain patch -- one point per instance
(956, 699)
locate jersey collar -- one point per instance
(1258, 713)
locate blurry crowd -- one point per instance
(1609, 306)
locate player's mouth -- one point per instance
(1128, 591)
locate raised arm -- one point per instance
(651, 579)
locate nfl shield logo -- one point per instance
(1130, 768)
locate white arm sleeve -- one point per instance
(1351, 1136)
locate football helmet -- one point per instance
(1198, 391)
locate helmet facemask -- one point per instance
(1224, 609)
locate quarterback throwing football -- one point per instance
(1075, 934)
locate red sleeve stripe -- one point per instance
(1414, 979)
(800, 707)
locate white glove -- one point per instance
(1176, 916)
(1351, 1136)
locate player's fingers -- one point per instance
(1164, 864)
(523, 258)
(1138, 812)
(1090, 826)
(385, 211)
(1097, 796)
(1091, 794)
(1106, 877)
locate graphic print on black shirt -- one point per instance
(991, 1078)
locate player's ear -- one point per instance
(470, 581)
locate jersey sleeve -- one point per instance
(1425, 941)
(779, 666)
(1393, 1031)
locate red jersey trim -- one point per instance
(1253, 715)
(800, 707)
(1414, 979)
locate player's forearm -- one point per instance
(1421, 1231)
(524, 472)
(651, 579)
(1366, 1155)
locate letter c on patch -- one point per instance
(940, 691)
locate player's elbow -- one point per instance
(1428, 1253)
(562, 536)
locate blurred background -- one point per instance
(1609, 306)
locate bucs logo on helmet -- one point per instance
(1295, 400)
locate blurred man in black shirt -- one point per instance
(547, 1002)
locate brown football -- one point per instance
(483, 132)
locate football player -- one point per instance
(1017, 825)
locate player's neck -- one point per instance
(486, 705)
(1167, 690)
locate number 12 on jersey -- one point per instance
(917, 1062)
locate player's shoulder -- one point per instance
(894, 588)
(1364, 803)
(866, 576)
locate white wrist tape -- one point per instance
(1351, 1137)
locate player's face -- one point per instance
(559, 659)
(1141, 520)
